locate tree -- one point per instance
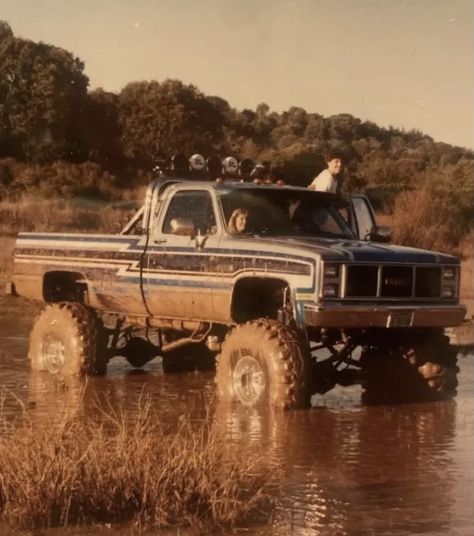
(161, 119)
(101, 131)
(42, 94)
(5, 30)
(315, 128)
(343, 127)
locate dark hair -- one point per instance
(331, 155)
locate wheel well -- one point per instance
(64, 286)
(258, 297)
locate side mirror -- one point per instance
(182, 227)
(380, 233)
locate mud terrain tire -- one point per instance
(67, 340)
(263, 362)
(423, 369)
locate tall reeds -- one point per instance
(110, 468)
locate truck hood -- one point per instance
(359, 251)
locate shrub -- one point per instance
(426, 220)
(59, 179)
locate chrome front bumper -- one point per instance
(384, 316)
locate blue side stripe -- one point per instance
(186, 283)
(79, 238)
(173, 282)
(165, 250)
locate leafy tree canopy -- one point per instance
(159, 119)
(42, 91)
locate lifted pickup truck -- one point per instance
(270, 282)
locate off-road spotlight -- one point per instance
(197, 163)
(230, 166)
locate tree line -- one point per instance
(48, 114)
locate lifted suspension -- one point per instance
(326, 373)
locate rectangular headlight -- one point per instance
(330, 291)
(449, 273)
(448, 292)
(331, 270)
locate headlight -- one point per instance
(449, 273)
(331, 270)
(448, 292)
(449, 282)
(331, 281)
(330, 291)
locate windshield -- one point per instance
(282, 212)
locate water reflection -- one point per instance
(170, 397)
(370, 470)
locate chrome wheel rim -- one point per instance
(248, 380)
(53, 352)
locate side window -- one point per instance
(363, 215)
(194, 206)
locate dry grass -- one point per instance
(7, 245)
(111, 470)
(421, 220)
(31, 214)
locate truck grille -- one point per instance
(397, 281)
(392, 281)
(361, 281)
(428, 282)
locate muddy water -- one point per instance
(344, 469)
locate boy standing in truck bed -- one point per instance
(326, 181)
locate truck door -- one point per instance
(179, 256)
(361, 219)
(361, 216)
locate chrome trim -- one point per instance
(363, 316)
(343, 280)
(379, 280)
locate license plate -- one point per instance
(400, 319)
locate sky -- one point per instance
(401, 63)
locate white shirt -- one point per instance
(324, 182)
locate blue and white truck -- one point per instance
(291, 301)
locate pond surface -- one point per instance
(344, 468)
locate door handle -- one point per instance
(160, 240)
